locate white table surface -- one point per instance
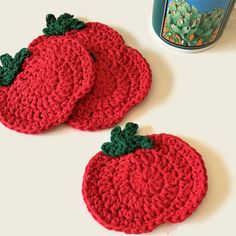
(193, 96)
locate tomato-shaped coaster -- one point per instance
(40, 85)
(123, 76)
(123, 80)
(138, 182)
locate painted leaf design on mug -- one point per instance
(185, 25)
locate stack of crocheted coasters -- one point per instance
(78, 73)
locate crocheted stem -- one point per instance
(11, 66)
(126, 141)
(62, 24)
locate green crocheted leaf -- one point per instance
(11, 66)
(126, 141)
(62, 24)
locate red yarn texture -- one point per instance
(123, 79)
(94, 32)
(137, 192)
(58, 73)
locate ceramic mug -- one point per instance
(190, 25)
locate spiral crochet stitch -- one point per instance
(136, 192)
(58, 72)
(123, 79)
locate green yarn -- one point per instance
(62, 24)
(11, 66)
(126, 141)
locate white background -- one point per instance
(193, 96)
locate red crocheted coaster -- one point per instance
(123, 79)
(140, 182)
(55, 75)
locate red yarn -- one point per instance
(137, 192)
(94, 32)
(123, 79)
(58, 73)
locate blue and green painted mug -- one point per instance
(190, 24)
